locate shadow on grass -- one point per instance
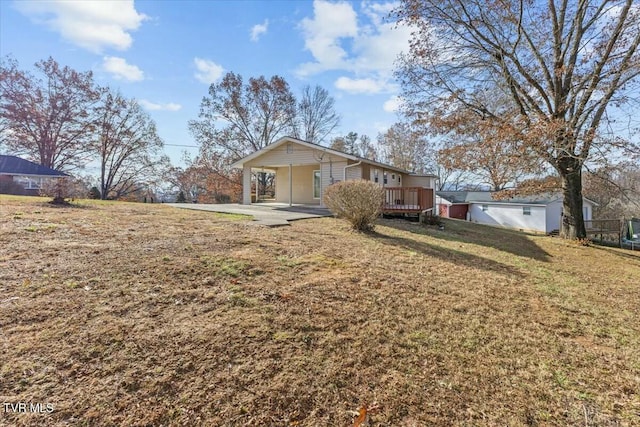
(66, 205)
(631, 255)
(446, 254)
(502, 239)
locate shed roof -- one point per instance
(12, 165)
(487, 197)
(542, 199)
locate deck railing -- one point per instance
(407, 199)
(603, 225)
(609, 230)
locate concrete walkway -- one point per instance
(267, 214)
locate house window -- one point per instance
(485, 208)
(375, 176)
(399, 180)
(316, 184)
(29, 183)
(526, 210)
(384, 178)
(393, 177)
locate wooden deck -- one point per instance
(407, 200)
(609, 230)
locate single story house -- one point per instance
(20, 176)
(539, 213)
(303, 170)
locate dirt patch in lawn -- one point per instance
(139, 314)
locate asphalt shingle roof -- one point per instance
(486, 196)
(12, 165)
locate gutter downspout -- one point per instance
(344, 174)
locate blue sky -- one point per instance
(166, 53)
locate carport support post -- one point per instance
(290, 185)
(246, 184)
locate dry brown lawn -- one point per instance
(147, 315)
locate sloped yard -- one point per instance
(134, 314)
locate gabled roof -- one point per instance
(542, 199)
(312, 145)
(12, 165)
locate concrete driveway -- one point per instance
(268, 214)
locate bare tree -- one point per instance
(404, 147)
(499, 164)
(338, 144)
(351, 143)
(127, 145)
(366, 149)
(316, 117)
(253, 115)
(566, 66)
(449, 178)
(237, 119)
(616, 189)
(47, 119)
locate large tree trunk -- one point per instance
(572, 225)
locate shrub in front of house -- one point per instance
(62, 189)
(94, 193)
(359, 202)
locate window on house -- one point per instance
(384, 178)
(29, 183)
(375, 176)
(393, 177)
(399, 180)
(485, 208)
(316, 184)
(526, 210)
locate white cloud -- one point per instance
(120, 70)
(92, 25)
(365, 45)
(392, 104)
(208, 71)
(368, 86)
(258, 30)
(331, 23)
(377, 47)
(152, 106)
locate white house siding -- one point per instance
(439, 201)
(587, 209)
(354, 172)
(554, 213)
(394, 179)
(509, 216)
(372, 174)
(286, 154)
(418, 181)
(302, 184)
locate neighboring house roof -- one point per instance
(12, 165)
(308, 144)
(487, 197)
